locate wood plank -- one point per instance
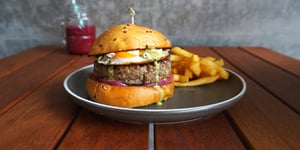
(25, 79)
(91, 131)
(263, 122)
(12, 63)
(40, 120)
(269, 76)
(212, 133)
(287, 63)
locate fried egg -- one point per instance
(133, 57)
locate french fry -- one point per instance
(180, 78)
(175, 58)
(199, 81)
(176, 77)
(223, 73)
(208, 67)
(210, 58)
(188, 73)
(174, 70)
(179, 51)
(194, 64)
(191, 70)
(219, 62)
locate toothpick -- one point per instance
(132, 14)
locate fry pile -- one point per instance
(191, 70)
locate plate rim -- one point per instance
(148, 110)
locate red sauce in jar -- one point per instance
(79, 40)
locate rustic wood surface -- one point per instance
(37, 113)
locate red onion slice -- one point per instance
(114, 82)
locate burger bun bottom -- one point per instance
(127, 96)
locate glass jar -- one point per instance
(80, 32)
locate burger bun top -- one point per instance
(127, 37)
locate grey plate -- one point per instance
(188, 103)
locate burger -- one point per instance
(132, 67)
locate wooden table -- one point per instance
(37, 113)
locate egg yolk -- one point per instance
(141, 52)
(124, 55)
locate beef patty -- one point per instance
(134, 74)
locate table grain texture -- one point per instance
(37, 113)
